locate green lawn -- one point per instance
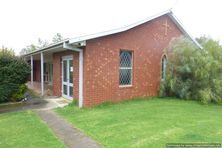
(26, 130)
(148, 123)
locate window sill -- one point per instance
(125, 86)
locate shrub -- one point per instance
(19, 95)
(14, 72)
(194, 73)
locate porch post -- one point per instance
(80, 78)
(42, 74)
(32, 71)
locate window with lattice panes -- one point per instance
(164, 64)
(125, 69)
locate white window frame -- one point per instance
(131, 68)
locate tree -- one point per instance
(194, 73)
(28, 49)
(41, 44)
(6, 51)
(57, 38)
(14, 72)
(33, 47)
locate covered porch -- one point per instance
(57, 70)
(36, 86)
(35, 78)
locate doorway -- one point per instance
(67, 77)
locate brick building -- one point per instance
(109, 66)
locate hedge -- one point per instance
(14, 72)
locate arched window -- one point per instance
(164, 64)
(125, 69)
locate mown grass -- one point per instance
(148, 122)
(25, 129)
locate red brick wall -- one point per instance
(101, 62)
(57, 72)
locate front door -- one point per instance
(67, 77)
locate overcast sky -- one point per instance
(24, 21)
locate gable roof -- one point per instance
(80, 39)
(119, 30)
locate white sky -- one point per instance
(24, 21)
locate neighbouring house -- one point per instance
(109, 66)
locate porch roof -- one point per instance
(50, 46)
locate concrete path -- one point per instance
(72, 137)
(34, 104)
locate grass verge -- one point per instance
(148, 122)
(25, 129)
